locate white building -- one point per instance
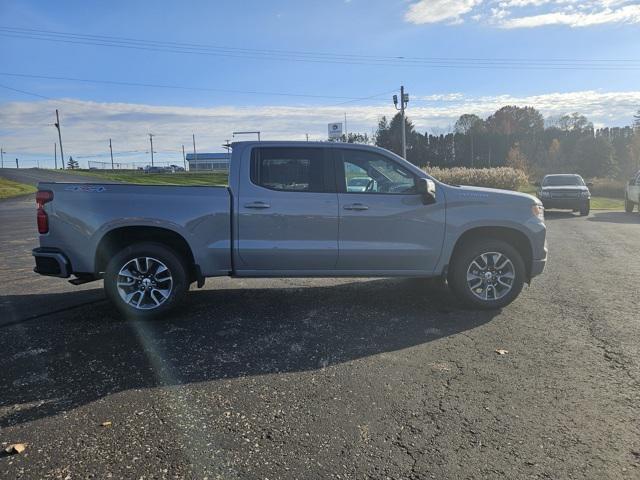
(208, 161)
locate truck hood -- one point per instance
(489, 195)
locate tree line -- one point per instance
(518, 137)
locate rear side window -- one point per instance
(288, 169)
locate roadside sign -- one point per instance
(335, 130)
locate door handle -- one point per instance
(257, 205)
(356, 206)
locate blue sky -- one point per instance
(548, 33)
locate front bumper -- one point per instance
(51, 262)
(565, 203)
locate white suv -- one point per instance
(632, 194)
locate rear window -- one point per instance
(288, 169)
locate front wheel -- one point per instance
(487, 274)
(585, 209)
(145, 280)
(628, 205)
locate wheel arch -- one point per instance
(512, 236)
(118, 238)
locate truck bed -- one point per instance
(82, 215)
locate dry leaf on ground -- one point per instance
(501, 351)
(15, 448)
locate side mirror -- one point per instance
(537, 184)
(632, 181)
(427, 188)
(589, 184)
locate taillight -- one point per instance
(42, 197)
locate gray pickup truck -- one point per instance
(289, 211)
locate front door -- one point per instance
(385, 226)
(288, 212)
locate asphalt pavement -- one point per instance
(328, 378)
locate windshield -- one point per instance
(563, 180)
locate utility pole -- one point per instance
(184, 159)
(151, 140)
(2, 158)
(55, 155)
(472, 157)
(57, 124)
(111, 151)
(195, 154)
(346, 131)
(307, 136)
(17, 165)
(404, 100)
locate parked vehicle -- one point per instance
(149, 169)
(176, 168)
(565, 191)
(632, 194)
(288, 213)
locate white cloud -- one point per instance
(26, 131)
(526, 13)
(434, 11)
(625, 14)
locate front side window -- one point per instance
(368, 172)
(288, 169)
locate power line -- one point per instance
(209, 47)
(178, 87)
(322, 57)
(25, 92)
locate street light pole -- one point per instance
(195, 154)
(1, 158)
(55, 155)
(184, 159)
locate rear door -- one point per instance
(384, 227)
(288, 211)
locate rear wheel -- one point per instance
(487, 274)
(628, 205)
(145, 280)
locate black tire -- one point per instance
(162, 256)
(585, 209)
(464, 257)
(628, 205)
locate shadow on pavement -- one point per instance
(66, 360)
(615, 217)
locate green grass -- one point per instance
(10, 189)
(141, 178)
(604, 203)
